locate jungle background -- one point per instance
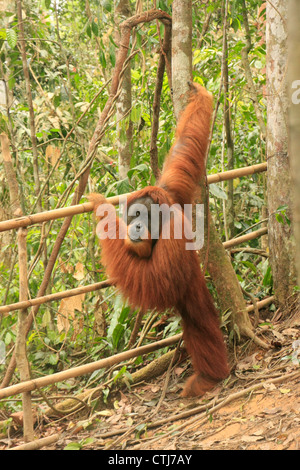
(58, 60)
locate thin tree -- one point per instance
(294, 115)
(181, 52)
(30, 101)
(123, 104)
(280, 195)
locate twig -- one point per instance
(166, 382)
(248, 249)
(135, 330)
(254, 302)
(54, 167)
(229, 210)
(214, 117)
(165, 48)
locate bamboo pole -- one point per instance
(115, 200)
(38, 443)
(261, 303)
(244, 238)
(237, 173)
(55, 296)
(87, 368)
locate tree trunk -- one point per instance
(21, 350)
(281, 242)
(181, 53)
(229, 214)
(35, 161)
(294, 115)
(219, 265)
(123, 105)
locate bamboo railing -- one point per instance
(40, 217)
(88, 207)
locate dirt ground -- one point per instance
(258, 408)
(266, 419)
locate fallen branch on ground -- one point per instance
(38, 444)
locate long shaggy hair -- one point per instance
(164, 274)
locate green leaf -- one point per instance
(95, 28)
(102, 58)
(279, 218)
(2, 352)
(73, 446)
(11, 82)
(112, 54)
(123, 186)
(250, 266)
(106, 5)
(282, 208)
(117, 334)
(46, 319)
(120, 373)
(138, 168)
(135, 114)
(217, 191)
(52, 359)
(11, 37)
(267, 281)
(8, 338)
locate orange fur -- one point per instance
(185, 163)
(171, 276)
(143, 249)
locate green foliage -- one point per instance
(117, 331)
(79, 445)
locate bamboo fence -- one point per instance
(29, 385)
(88, 207)
(34, 384)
